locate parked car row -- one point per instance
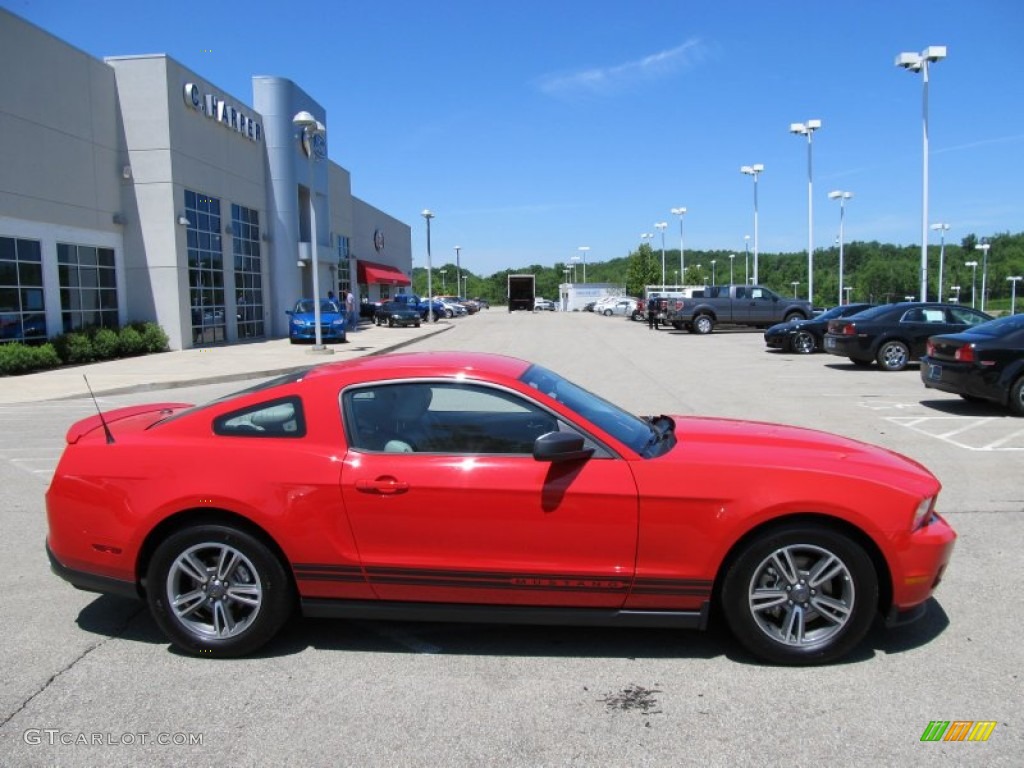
(961, 350)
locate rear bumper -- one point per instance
(91, 582)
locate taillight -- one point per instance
(850, 329)
(965, 354)
(930, 349)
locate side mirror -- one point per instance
(289, 312)
(560, 446)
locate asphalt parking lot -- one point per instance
(89, 680)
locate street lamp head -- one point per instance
(837, 194)
(752, 170)
(1014, 278)
(661, 225)
(304, 119)
(427, 214)
(938, 227)
(797, 128)
(971, 264)
(911, 61)
(678, 211)
(982, 246)
(934, 52)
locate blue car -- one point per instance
(302, 326)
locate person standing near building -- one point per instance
(350, 311)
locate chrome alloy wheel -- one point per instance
(214, 590)
(803, 343)
(801, 595)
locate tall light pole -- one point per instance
(842, 197)
(312, 129)
(848, 288)
(983, 247)
(428, 215)
(444, 281)
(458, 270)
(661, 227)
(746, 259)
(941, 229)
(755, 171)
(957, 289)
(1013, 280)
(918, 62)
(807, 129)
(731, 257)
(713, 279)
(583, 249)
(795, 284)
(680, 212)
(974, 279)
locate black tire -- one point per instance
(448, 313)
(416, 325)
(893, 355)
(238, 608)
(779, 613)
(1016, 400)
(607, 313)
(803, 343)
(391, 322)
(703, 324)
(793, 316)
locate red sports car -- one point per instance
(454, 486)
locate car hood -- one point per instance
(309, 317)
(784, 450)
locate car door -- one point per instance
(447, 504)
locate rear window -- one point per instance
(276, 418)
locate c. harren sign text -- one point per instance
(217, 109)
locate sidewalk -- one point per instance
(236, 362)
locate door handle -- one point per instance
(383, 485)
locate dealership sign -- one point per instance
(215, 108)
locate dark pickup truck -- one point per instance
(736, 305)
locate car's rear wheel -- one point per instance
(1016, 401)
(448, 313)
(391, 322)
(217, 590)
(800, 594)
(703, 324)
(607, 313)
(803, 342)
(893, 356)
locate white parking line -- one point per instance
(1011, 442)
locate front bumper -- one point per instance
(918, 567)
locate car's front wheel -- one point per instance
(703, 324)
(1016, 400)
(800, 594)
(893, 356)
(217, 590)
(803, 342)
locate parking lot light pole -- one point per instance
(680, 212)
(428, 215)
(746, 259)
(941, 229)
(458, 270)
(1013, 280)
(807, 129)
(713, 278)
(795, 284)
(983, 247)
(842, 197)
(731, 257)
(444, 281)
(918, 62)
(583, 249)
(974, 279)
(755, 171)
(311, 129)
(957, 289)
(661, 227)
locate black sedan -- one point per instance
(806, 336)
(984, 363)
(894, 335)
(395, 313)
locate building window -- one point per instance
(22, 311)
(88, 287)
(245, 246)
(344, 267)
(205, 268)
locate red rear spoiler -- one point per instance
(81, 428)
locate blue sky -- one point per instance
(534, 127)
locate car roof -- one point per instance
(444, 364)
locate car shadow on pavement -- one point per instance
(129, 620)
(961, 407)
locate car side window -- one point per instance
(277, 418)
(443, 417)
(965, 316)
(915, 315)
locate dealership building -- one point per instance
(133, 189)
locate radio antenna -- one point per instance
(103, 421)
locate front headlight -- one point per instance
(297, 322)
(923, 512)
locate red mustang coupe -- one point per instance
(454, 486)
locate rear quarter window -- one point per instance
(276, 418)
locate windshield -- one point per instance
(1001, 327)
(307, 306)
(637, 433)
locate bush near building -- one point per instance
(80, 347)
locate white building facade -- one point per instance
(133, 189)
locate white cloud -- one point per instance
(604, 79)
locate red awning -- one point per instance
(371, 272)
